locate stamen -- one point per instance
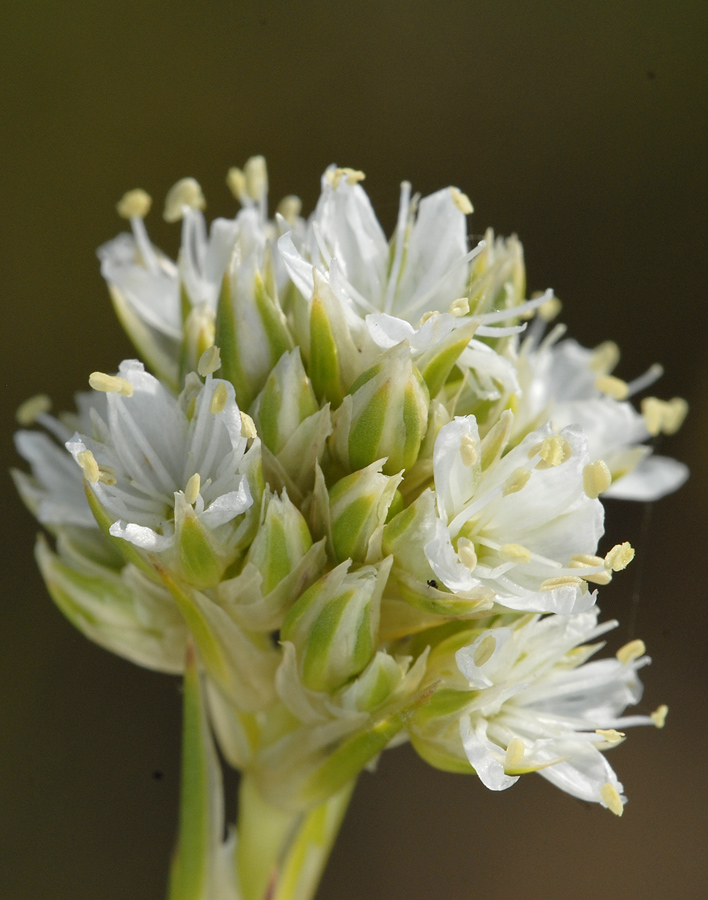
(587, 561)
(484, 650)
(218, 398)
(236, 181)
(652, 374)
(596, 478)
(186, 192)
(516, 481)
(675, 415)
(134, 204)
(550, 584)
(466, 553)
(620, 556)
(256, 175)
(653, 413)
(459, 307)
(611, 735)
(658, 717)
(461, 201)
(604, 357)
(29, 411)
(613, 387)
(515, 553)
(89, 466)
(209, 361)
(427, 315)
(289, 208)
(110, 384)
(351, 176)
(469, 450)
(191, 491)
(553, 450)
(107, 475)
(248, 426)
(514, 753)
(550, 309)
(631, 651)
(611, 798)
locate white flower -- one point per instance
(154, 457)
(567, 384)
(520, 524)
(148, 289)
(54, 491)
(395, 292)
(539, 709)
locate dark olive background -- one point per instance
(580, 126)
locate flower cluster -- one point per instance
(363, 482)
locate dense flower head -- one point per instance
(363, 481)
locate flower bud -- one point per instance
(120, 610)
(251, 331)
(333, 354)
(384, 414)
(334, 625)
(359, 505)
(286, 400)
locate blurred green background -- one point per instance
(580, 126)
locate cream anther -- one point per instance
(28, 411)
(587, 561)
(466, 553)
(604, 357)
(89, 466)
(620, 556)
(209, 361)
(658, 717)
(134, 204)
(611, 735)
(516, 481)
(248, 426)
(459, 307)
(461, 201)
(550, 309)
(236, 182)
(484, 650)
(611, 799)
(290, 208)
(256, 175)
(186, 192)
(675, 415)
(613, 387)
(631, 651)
(427, 315)
(218, 398)
(514, 753)
(662, 416)
(469, 450)
(191, 491)
(107, 475)
(110, 384)
(554, 450)
(515, 553)
(551, 584)
(351, 176)
(596, 478)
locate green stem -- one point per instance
(282, 855)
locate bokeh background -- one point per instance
(580, 126)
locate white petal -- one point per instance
(654, 478)
(482, 758)
(140, 536)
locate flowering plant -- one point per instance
(354, 502)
